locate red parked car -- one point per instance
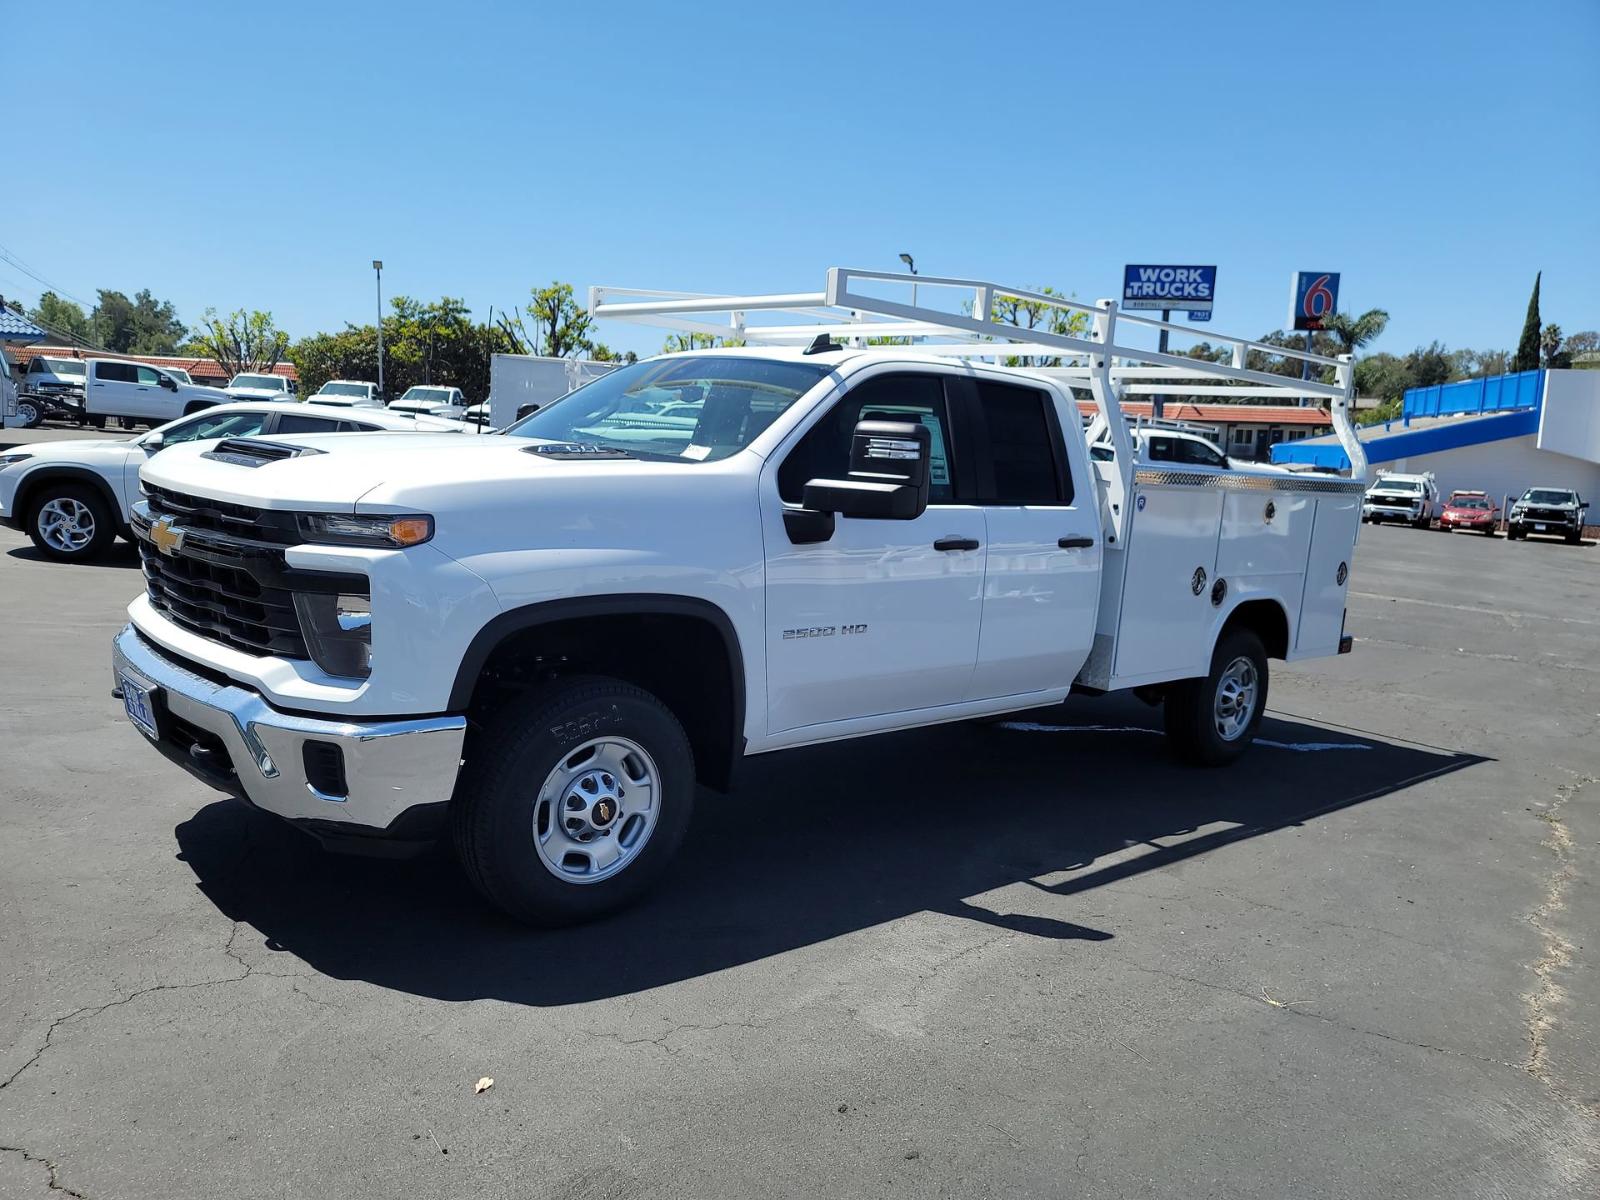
(1469, 510)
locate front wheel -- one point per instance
(71, 523)
(29, 413)
(573, 801)
(1211, 721)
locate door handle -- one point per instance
(1075, 543)
(956, 543)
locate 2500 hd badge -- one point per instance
(821, 631)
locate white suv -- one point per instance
(349, 393)
(73, 498)
(1413, 499)
(258, 386)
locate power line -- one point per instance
(7, 256)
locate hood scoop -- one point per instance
(574, 451)
(253, 452)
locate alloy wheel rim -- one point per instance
(66, 524)
(1235, 704)
(596, 810)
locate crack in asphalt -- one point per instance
(89, 1011)
(1556, 950)
(54, 1181)
(660, 1040)
(1292, 1009)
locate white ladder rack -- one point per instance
(1095, 361)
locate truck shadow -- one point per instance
(813, 844)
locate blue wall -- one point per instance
(1496, 393)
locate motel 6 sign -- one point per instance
(1313, 298)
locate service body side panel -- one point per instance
(1321, 624)
(1172, 546)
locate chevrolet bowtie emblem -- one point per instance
(166, 537)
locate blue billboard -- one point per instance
(1166, 287)
(1313, 297)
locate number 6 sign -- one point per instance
(1314, 297)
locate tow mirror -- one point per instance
(526, 410)
(168, 382)
(888, 481)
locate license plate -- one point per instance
(138, 700)
(1538, 528)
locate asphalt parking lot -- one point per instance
(1028, 960)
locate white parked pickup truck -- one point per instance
(541, 640)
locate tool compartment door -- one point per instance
(1165, 618)
(1333, 540)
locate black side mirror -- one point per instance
(168, 382)
(889, 480)
(526, 410)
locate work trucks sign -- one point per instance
(1191, 288)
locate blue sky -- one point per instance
(1435, 153)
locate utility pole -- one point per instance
(377, 267)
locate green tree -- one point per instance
(1037, 314)
(435, 342)
(676, 343)
(143, 325)
(1351, 333)
(61, 317)
(242, 341)
(1550, 346)
(1527, 356)
(561, 327)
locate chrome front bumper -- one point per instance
(232, 739)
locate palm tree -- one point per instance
(1352, 333)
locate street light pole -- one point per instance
(377, 267)
(912, 267)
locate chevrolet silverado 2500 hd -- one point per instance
(543, 639)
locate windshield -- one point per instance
(274, 382)
(65, 366)
(1397, 485)
(433, 395)
(1547, 496)
(696, 408)
(1468, 502)
(345, 389)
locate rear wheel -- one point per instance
(573, 801)
(71, 523)
(1211, 721)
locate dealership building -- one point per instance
(1500, 435)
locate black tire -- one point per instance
(97, 420)
(1574, 538)
(1191, 705)
(1512, 533)
(494, 814)
(30, 412)
(93, 513)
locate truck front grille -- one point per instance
(228, 579)
(225, 602)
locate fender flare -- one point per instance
(41, 476)
(547, 612)
(1226, 615)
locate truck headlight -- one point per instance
(389, 532)
(338, 631)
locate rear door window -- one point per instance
(296, 423)
(1017, 451)
(116, 372)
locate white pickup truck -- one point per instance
(542, 640)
